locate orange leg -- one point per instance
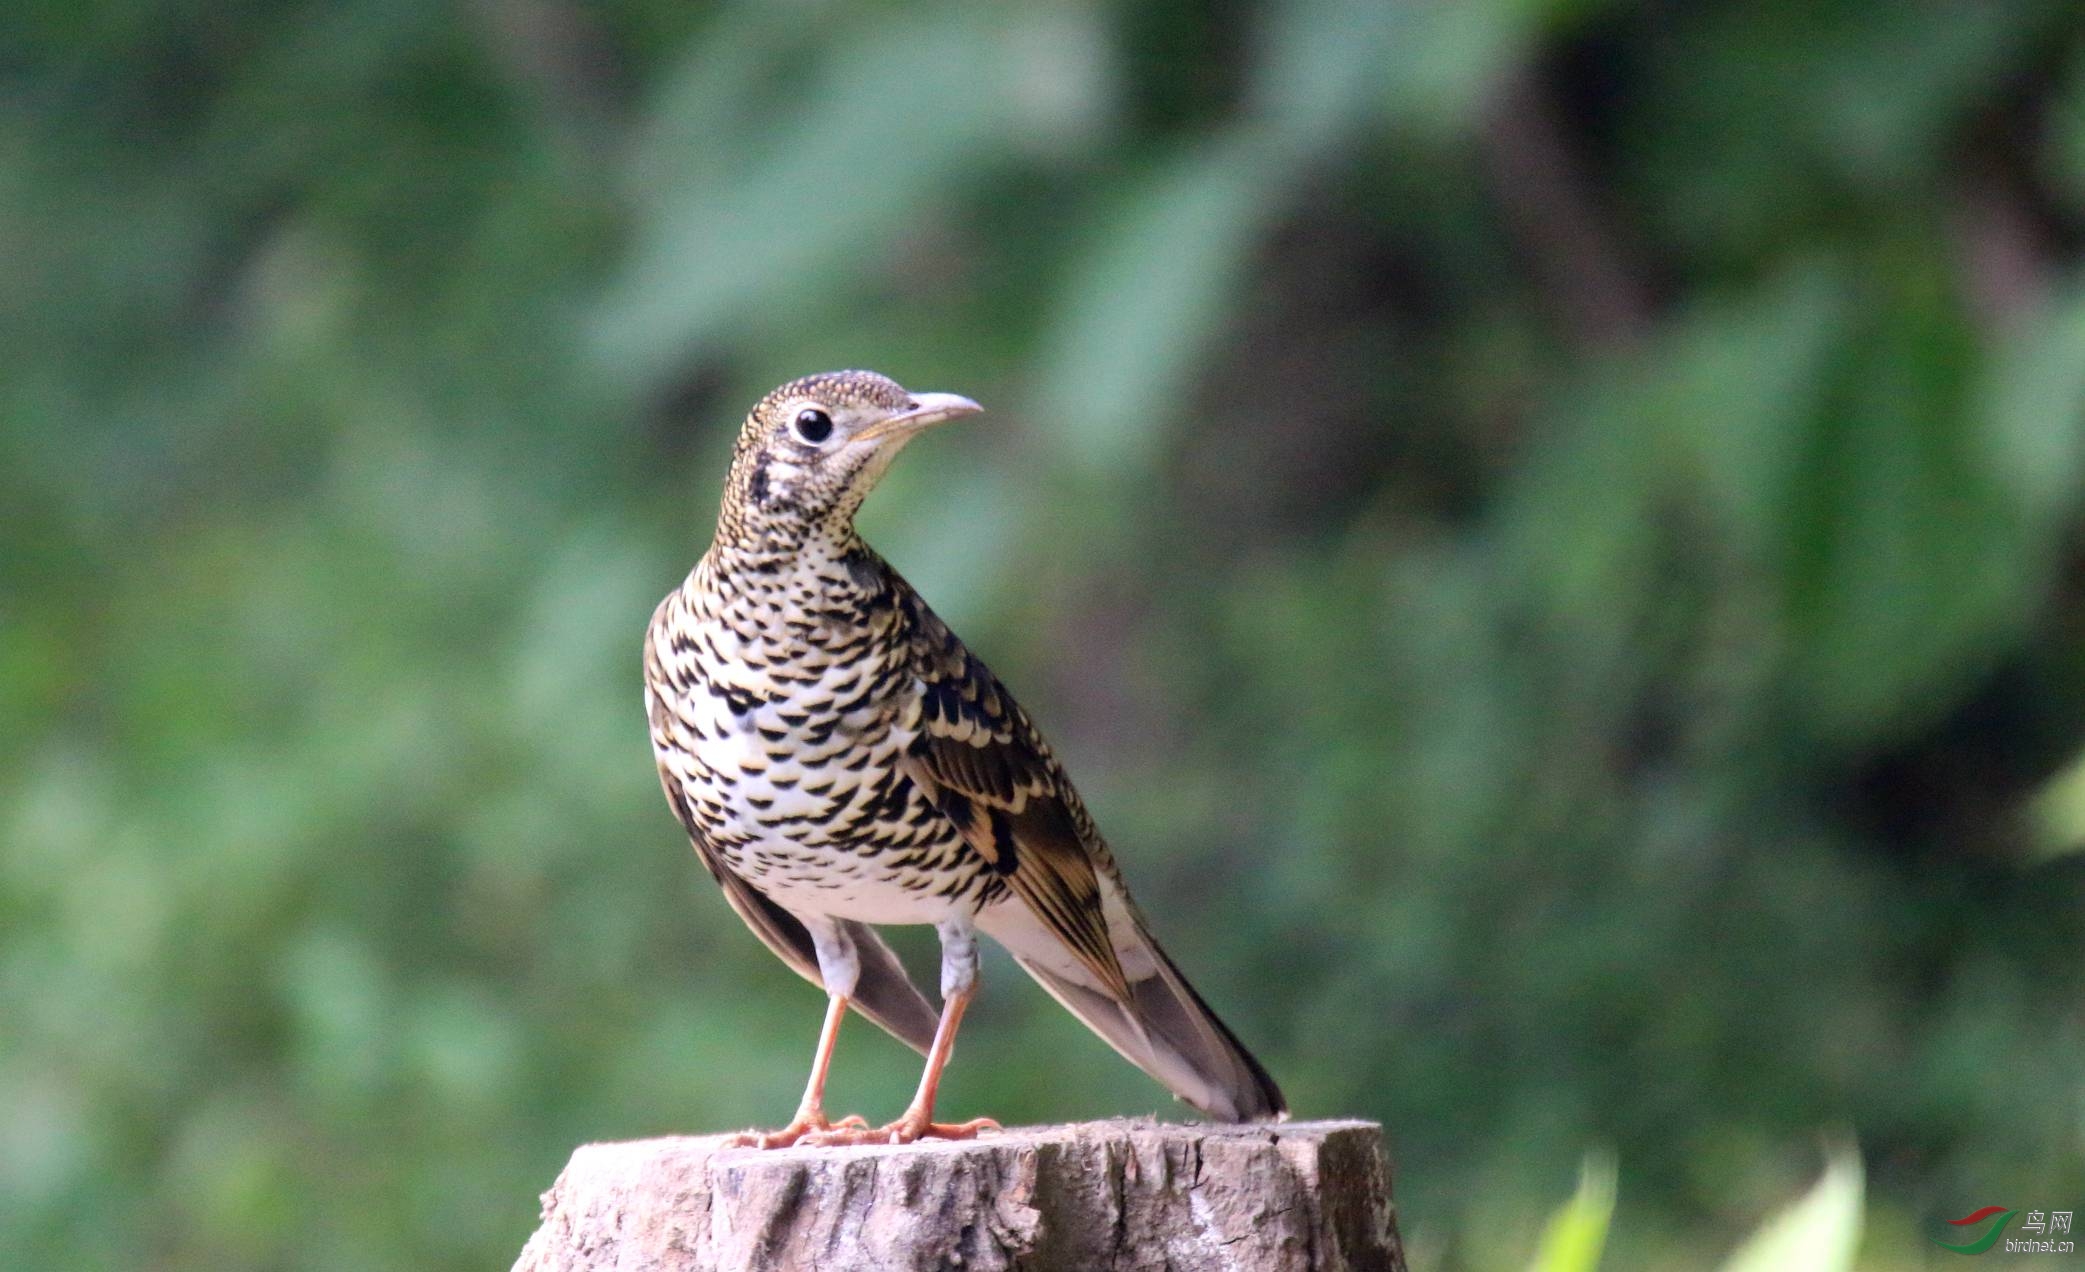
(810, 1113)
(918, 1121)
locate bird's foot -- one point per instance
(905, 1130)
(805, 1128)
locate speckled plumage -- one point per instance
(784, 711)
(841, 760)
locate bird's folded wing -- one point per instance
(983, 763)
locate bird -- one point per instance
(841, 761)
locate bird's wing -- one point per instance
(987, 768)
(989, 771)
(884, 994)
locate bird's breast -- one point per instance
(788, 739)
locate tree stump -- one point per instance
(1091, 1196)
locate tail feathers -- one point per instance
(1164, 1028)
(1173, 1013)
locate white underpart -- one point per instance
(821, 878)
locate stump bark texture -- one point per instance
(1094, 1196)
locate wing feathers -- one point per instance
(1161, 1026)
(1072, 927)
(1036, 848)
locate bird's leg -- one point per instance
(958, 986)
(839, 967)
(810, 1113)
(918, 1121)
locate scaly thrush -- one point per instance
(841, 760)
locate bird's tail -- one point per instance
(1163, 1027)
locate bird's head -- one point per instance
(811, 451)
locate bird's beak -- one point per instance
(927, 410)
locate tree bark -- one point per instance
(1091, 1196)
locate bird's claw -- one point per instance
(905, 1130)
(805, 1128)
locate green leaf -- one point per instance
(1577, 1232)
(1820, 1233)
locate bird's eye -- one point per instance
(813, 425)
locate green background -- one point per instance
(1548, 533)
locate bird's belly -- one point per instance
(867, 899)
(892, 870)
(822, 819)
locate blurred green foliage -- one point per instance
(1548, 532)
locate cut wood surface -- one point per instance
(1094, 1195)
